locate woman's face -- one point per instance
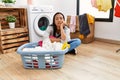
(58, 20)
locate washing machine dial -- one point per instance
(34, 9)
(41, 10)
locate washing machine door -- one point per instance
(41, 24)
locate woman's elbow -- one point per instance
(63, 38)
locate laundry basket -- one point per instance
(41, 59)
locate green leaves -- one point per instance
(9, 1)
(11, 18)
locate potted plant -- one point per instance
(11, 20)
(9, 3)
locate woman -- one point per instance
(61, 33)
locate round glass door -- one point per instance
(43, 23)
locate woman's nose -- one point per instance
(59, 20)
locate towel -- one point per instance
(90, 19)
(104, 5)
(73, 24)
(93, 3)
(84, 26)
(117, 9)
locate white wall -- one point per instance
(21, 2)
(38, 2)
(68, 7)
(106, 30)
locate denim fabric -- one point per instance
(74, 43)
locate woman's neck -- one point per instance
(58, 31)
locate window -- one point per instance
(84, 6)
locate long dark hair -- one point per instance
(54, 25)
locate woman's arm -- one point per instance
(55, 39)
(63, 34)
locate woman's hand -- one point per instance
(63, 24)
(63, 35)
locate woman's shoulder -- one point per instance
(66, 27)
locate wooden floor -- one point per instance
(94, 61)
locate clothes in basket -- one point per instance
(41, 59)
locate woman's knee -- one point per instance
(78, 41)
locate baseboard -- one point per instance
(107, 40)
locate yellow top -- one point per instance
(104, 5)
(90, 19)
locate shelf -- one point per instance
(13, 31)
(11, 39)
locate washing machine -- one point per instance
(39, 20)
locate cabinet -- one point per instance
(11, 39)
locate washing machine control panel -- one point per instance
(41, 8)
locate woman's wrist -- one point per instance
(62, 41)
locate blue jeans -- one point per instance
(74, 43)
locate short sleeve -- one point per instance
(67, 32)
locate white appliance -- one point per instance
(39, 19)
